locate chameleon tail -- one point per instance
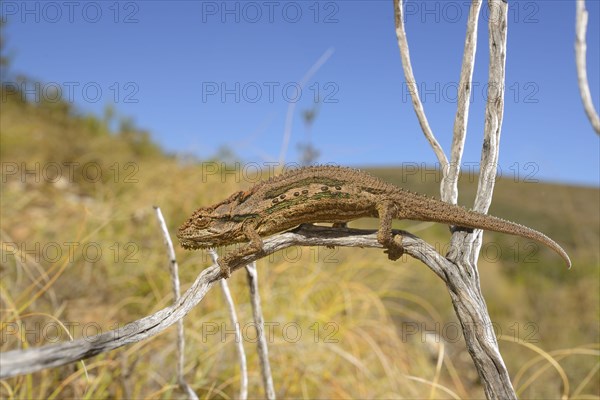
(471, 219)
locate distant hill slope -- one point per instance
(57, 131)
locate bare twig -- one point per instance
(494, 110)
(174, 270)
(287, 132)
(259, 322)
(449, 191)
(125, 375)
(239, 343)
(412, 87)
(20, 362)
(580, 55)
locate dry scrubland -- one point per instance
(346, 323)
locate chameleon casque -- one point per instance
(328, 194)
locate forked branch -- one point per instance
(460, 272)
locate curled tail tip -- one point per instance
(560, 251)
(565, 256)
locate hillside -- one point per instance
(81, 245)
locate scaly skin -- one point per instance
(328, 194)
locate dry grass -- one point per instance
(343, 323)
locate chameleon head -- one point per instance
(211, 226)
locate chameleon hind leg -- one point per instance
(386, 212)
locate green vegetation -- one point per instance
(85, 250)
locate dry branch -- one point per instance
(238, 340)
(412, 86)
(289, 116)
(20, 362)
(174, 271)
(471, 310)
(259, 322)
(460, 274)
(238, 334)
(580, 54)
(449, 191)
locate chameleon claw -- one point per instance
(224, 267)
(393, 247)
(394, 253)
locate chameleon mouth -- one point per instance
(189, 244)
(190, 239)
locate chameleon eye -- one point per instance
(202, 222)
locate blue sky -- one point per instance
(199, 75)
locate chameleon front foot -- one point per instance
(394, 254)
(224, 267)
(254, 247)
